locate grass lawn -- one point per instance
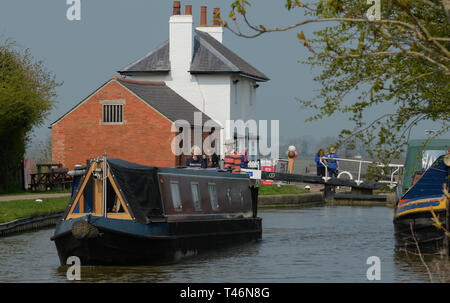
(274, 189)
(11, 210)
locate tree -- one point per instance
(401, 59)
(27, 94)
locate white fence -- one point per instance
(355, 174)
(393, 178)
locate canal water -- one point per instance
(318, 244)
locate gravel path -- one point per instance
(33, 196)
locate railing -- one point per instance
(391, 183)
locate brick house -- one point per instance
(132, 116)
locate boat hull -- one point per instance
(427, 237)
(156, 243)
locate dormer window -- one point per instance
(112, 111)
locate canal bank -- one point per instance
(295, 200)
(18, 215)
(29, 224)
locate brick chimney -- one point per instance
(216, 29)
(180, 41)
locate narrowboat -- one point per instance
(123, 213)
(413, 210)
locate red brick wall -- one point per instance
(144, 137)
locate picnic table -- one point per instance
(50, 176)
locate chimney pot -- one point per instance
(176, 7)
(203, 16)
(188, 10)
(216, 21)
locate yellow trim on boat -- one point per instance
(415, 206)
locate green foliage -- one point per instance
(401, 61)
(27, 94)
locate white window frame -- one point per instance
(177, 203)
(197, 206)
(214, 202)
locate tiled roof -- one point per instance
(211, 56)
(155, 61)
(164, 100)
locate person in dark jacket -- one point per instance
(320, 167)
(196, 159)
(332, 164)
(244, 158)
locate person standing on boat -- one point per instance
(214, 160)
(232, 159)
(333, 165)
(320, 165)
(196, 159)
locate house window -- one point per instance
(176, 198)
(112, 111)
(196, 195)
(213, 196)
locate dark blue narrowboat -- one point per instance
(123, 213)
(413, 224)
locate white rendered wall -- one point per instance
(243, 107)
(215, 95)
(215, 31)
(180, 46)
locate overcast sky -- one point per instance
(112, 33)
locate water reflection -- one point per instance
(319, 244)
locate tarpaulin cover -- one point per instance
(430, 183)
(139, 188)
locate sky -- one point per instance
(111, 34)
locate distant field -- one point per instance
(11, 210)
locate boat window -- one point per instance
(196, 195)
(176, 198)
(229, 195)
(213, 196)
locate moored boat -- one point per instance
(413, 222)
(123, 213)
